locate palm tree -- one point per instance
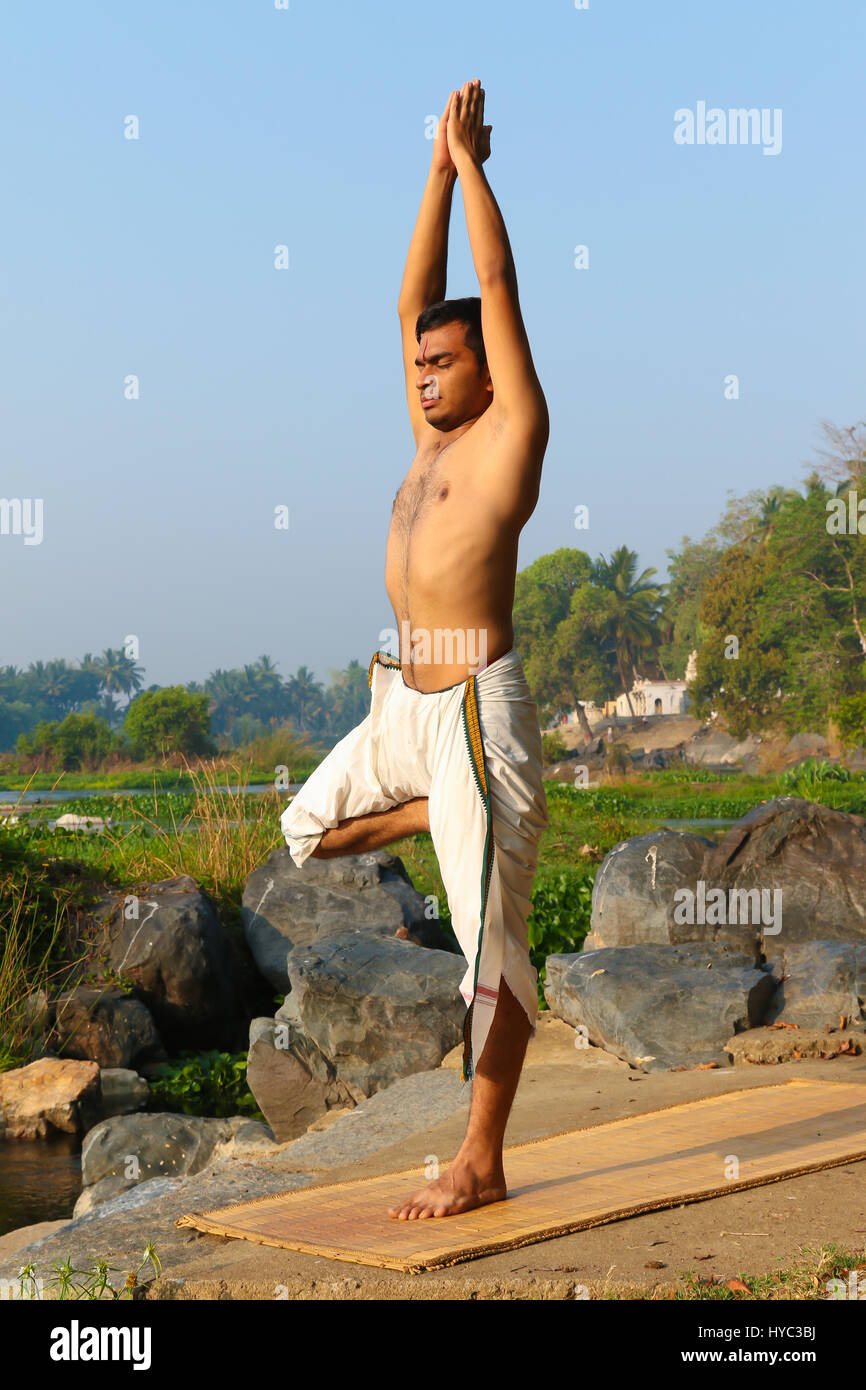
(634, 602)
(305, 695)
(225, 702)
(118, 671)
(53, 683)
(771, 507)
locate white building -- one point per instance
(654, 697)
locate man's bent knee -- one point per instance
(361, 833)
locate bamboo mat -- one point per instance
(570, 1181)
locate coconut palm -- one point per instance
(305, 696)
(633, 602)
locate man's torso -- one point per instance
(450, 564)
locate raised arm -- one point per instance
(426, 264)
(518, 411)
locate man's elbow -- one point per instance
(494, 274)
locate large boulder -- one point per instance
(177, 956)
(821, 984)
(284, 906)
(137, 1147)
(146, 1149)
(293, 1082)
(814, 856)
(377, 1008)
(789, 869)
(660, 1007)
(105, 1026)
(633, 893)
(48, 1096)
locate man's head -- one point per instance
(451, 351)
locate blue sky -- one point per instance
(261, 387)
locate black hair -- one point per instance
(466, 311)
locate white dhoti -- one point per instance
(474, 750)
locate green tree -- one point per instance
(78, 741)
(170, 720)
(690, 570)
(632, 628)
(740, 679)
(305, 696)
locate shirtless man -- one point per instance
(481, 427)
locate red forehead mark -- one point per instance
(424, 350)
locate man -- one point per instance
(451, 743)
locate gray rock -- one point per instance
(806, 746)
(124, 1224)
(815, 856)
(410, 1106)
(178, 957)
(377, 1008)
(284, 906)
(250, 1134)
(100, 1192)
(293, 1083)
(819, 983)
(711, 747)
(105, 1026)
(633, 893)
(123, 1199)
(659, 1007)
(137, 1147)
(763, 1046)
(123, 1092)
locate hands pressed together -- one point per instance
(461, 132)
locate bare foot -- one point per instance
(459, 1189)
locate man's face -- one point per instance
(451, 387)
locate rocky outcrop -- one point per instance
(394, 1114)
(136, 1147)
(789, 870)
(633, 894)
(176, 954)
(659, 1007)
(821, 984)
(293, 1082)
(138, 1150)
(813, 856)
(375, 1008)
(105, 1026)
(49, 1096)
(285, 907)
(774, 1045)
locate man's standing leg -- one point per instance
(482, 805)
(476, 1176)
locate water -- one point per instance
(9, 798)
(40, 1180)
(713, 827)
